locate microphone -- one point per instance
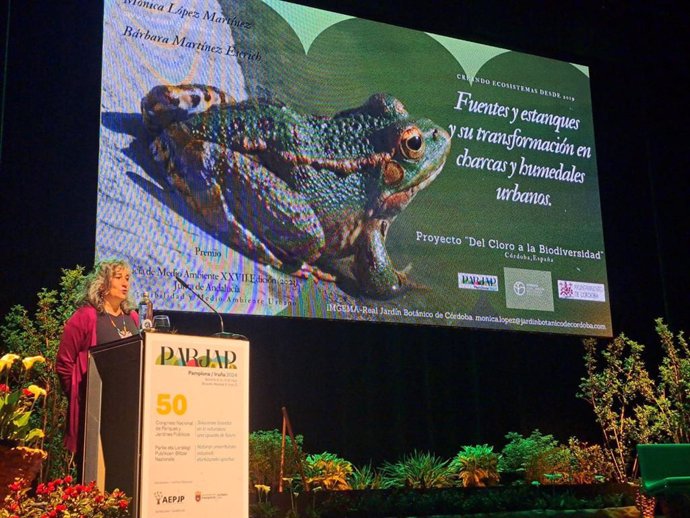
(222, 333)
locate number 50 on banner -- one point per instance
(166, 403)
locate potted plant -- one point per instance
(62, 497)
(18, 398)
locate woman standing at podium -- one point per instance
(105, 315)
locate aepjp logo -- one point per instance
(167, 499)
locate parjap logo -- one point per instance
(477, 281)
(191, 357)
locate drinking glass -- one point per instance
(161, 323)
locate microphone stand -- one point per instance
(223, 333)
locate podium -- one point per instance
(167, 421)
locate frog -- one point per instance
(297, 191)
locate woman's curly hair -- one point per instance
(97, 284)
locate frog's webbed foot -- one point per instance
(307, 271)
(388, 285)
(372, 267)
(166, 104)
(408, 283)
(405, 279)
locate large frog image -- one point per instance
(297, 191)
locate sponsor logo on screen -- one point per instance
(477, 281)
(575, 290)
(528, 289)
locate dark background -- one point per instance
(376, 391)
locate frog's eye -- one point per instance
(412, 143)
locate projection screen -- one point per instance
(286, 160)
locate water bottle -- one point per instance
(145, 311)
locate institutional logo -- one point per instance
(477, 281)
(162, 499)
(528, 289)
(575, 290)
(199, 496)
(519, 288)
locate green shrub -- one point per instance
(543, 459)
(327, 471)
(476, 466)
(417, 470)
(674, 382)
(365, 477)
(519, 451)
(264, 458)
(628, 404)
(589, 463)
(549, 466)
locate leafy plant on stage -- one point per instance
(18, 404)
(519, 450)
(417, 470)
(327, 471)
(549, 466)
(39, 335)
(589, 463)
(476, 466)
(365, 477)
(674, 383)
(264, 458)
(629, 406)
(61, 497)
(541, 458)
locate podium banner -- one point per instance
(195, 427)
